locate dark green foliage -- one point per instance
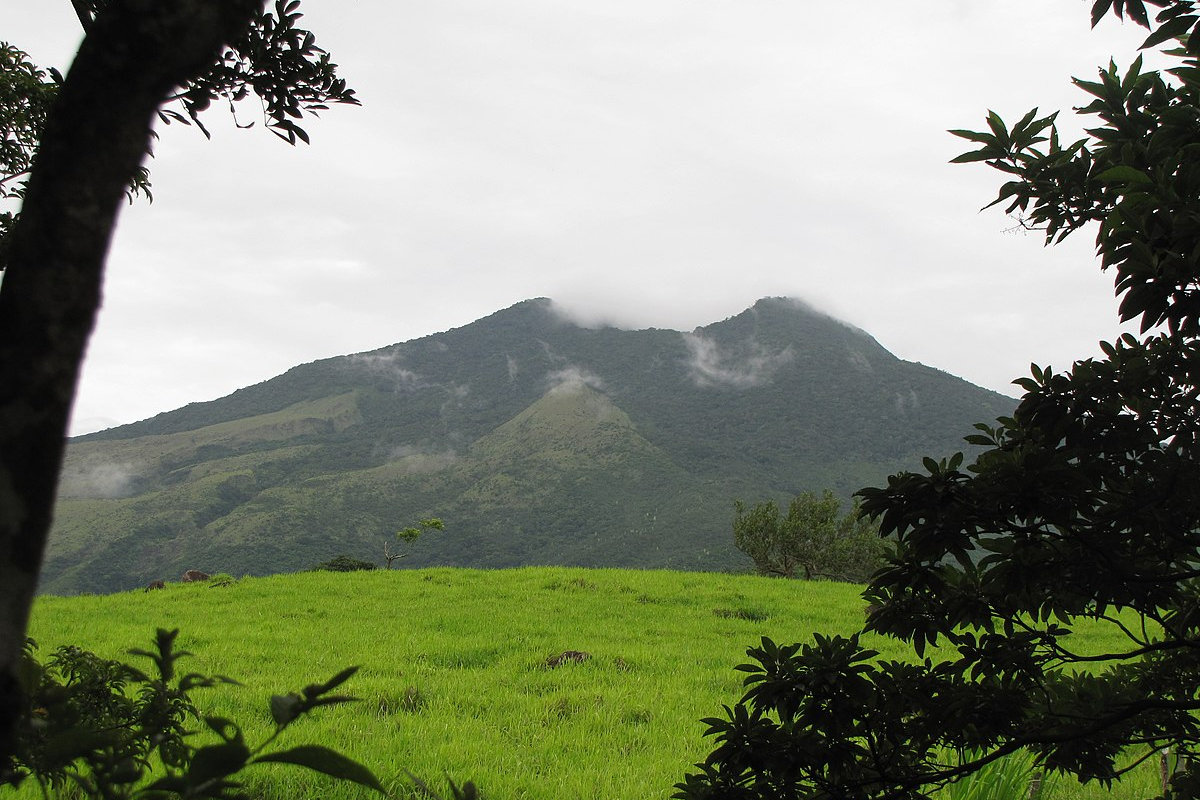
(813, 539)
(344, 563)
(633, 468)
(274, 62)
(277, 63)
(413, 532)
(26, 93)
(111, 731)
(1083, 505)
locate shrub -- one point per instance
(111, 731)
(344, 563)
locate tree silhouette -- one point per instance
(1084, 507)
(87, 151)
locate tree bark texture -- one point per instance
(135, 53)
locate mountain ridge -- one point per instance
(537, 440)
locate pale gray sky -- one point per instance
(646, 163)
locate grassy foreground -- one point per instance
(455, 679)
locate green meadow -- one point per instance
(456, 678)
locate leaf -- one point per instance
(317, 689)
(194, 680)
(1124, 174)
(75, 742)
(973, 136)
(172, 784)
(217, 761)
(1137, 12)
(1099, 9)
(285, 708)
(322, 759)
(332, 700)
(997, 125)
(1171, 29)
(1092, 88)
(1024, 121)
(975, 155)
(467, 792)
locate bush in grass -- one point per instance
(748, 614)
(105, 729)
(410, 700)
(344, 563)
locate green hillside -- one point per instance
(537, 441)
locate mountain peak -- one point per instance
(777, 323)
(789, 304)
(535, 314)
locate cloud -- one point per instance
(907, 402)
(455, 394)
(649, 164)
(416, 461)
(572, 379)
(754, 366)
(859, 361)
(387, 366)
(107, 480)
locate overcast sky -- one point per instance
(645, 163)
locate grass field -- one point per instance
(455, 678)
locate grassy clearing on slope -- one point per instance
(454, 677)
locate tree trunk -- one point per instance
(135, 53)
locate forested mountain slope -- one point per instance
(536, 440)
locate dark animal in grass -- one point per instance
(155, 585)
(574, 656)
(193, 575)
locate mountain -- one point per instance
(536, 440)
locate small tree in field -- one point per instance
(813, 538)
(409, 535)
(1083, 507)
